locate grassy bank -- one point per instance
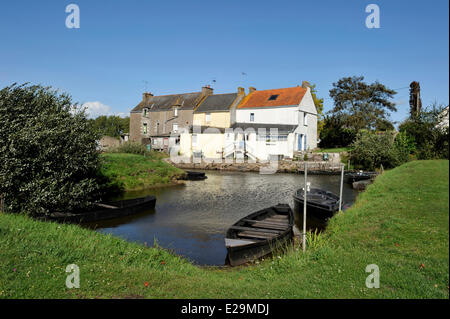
(134, 172)
(400, 223)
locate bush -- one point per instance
(130, 148)
(335, 134)
(430, 138)
(48, 156)
(371, 150)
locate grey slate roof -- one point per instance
(217, 102)
(165, 102)
(282, 128)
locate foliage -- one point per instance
(48, 156)
(112, 126)
(130, 148)
(335, 133)
(319, 107)
(371, 150)
(360, 105)
(430, 137)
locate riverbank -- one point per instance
(400, 224)
(137, 172)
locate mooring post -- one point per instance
(2, 205)
(342, 186)
(304, 208)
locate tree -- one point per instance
(111, 125)
(335, 134)
(48, 157)
(319, 106)
(431, 138)
(361, 105)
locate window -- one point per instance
(145, 128)
(175, 127)
(176, 111)
(273, 97)
(208, 117)
(194, 139)
(305, 119)
(145, 112)
(252, 117)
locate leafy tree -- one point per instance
(361, 105)
(319, 106)
(430, 137)
(48, 157)
(335, 133)
(111, 125)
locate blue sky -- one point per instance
(178, 46)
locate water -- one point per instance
(191, 219)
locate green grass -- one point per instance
(400, 223)
(333, 150)
(134, 172)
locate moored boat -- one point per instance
(107, 210)
(259, 233)
(195, 176)
(351, 177)
(320, 203)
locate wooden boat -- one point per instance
(258, 234)
(352, 177)
(195, 176)
(107, 210)
(320, 204)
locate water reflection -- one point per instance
(192, 219)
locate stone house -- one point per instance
(157, 120)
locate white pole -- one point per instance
(304, 208)
(342, 186)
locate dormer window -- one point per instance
(273, 97)
(145, 112)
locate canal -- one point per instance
(191, 219)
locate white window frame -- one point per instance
(305, 119)
(252, 117)
(208, 117)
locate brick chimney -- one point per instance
(146, 96)
(305, 84)
(207, 90)
(251, 89)
(241, 91)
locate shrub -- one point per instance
(335, 134)
(370, 150)
(48, 156)
(130, 148)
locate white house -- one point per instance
(275, 122)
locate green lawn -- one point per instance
(400, 223)
(134, 172)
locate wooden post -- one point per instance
(304, 208)
(342, 186)
(2, 204)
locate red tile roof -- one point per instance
(287, 96)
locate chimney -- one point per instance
(146, 96)
(305, 84)
(207, 90)
(251, 89)
(241, 91)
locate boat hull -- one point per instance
(241, 254)
(122, 208)
(318, 213)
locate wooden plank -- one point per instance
(269, 226)
(258, 230)
(266, 221)
(256, 235)
(106, 206)
(229, 242)
(278, 221)
(279, 216)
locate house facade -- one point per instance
(276, 122)
(158, 120)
